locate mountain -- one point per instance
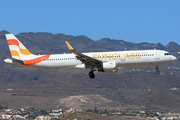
(129, 87)
(172, 45)
(123, 45)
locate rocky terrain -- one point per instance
(132, 88)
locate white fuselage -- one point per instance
(121, 58)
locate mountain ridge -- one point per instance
(103, 41)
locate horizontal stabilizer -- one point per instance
(17, 60)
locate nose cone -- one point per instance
(173, 58)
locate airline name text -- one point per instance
(116, 56)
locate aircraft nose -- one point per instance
(173, 58)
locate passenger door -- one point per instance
(157, 55)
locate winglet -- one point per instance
(69, 46)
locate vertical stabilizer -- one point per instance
(17, 49)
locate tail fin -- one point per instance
(17, 49)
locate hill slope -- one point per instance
(127, 88)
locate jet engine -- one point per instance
(110, 67)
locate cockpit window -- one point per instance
(166, 53)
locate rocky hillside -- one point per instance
(134, 88)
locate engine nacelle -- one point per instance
(109, 65)
(82, 66)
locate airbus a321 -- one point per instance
(107, 62)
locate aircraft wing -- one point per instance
(82, 57)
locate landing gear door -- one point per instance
(157, 55)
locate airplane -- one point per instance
(107, 62)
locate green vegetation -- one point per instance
(95, 110)
(3, 107)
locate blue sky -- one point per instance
(135, 21)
